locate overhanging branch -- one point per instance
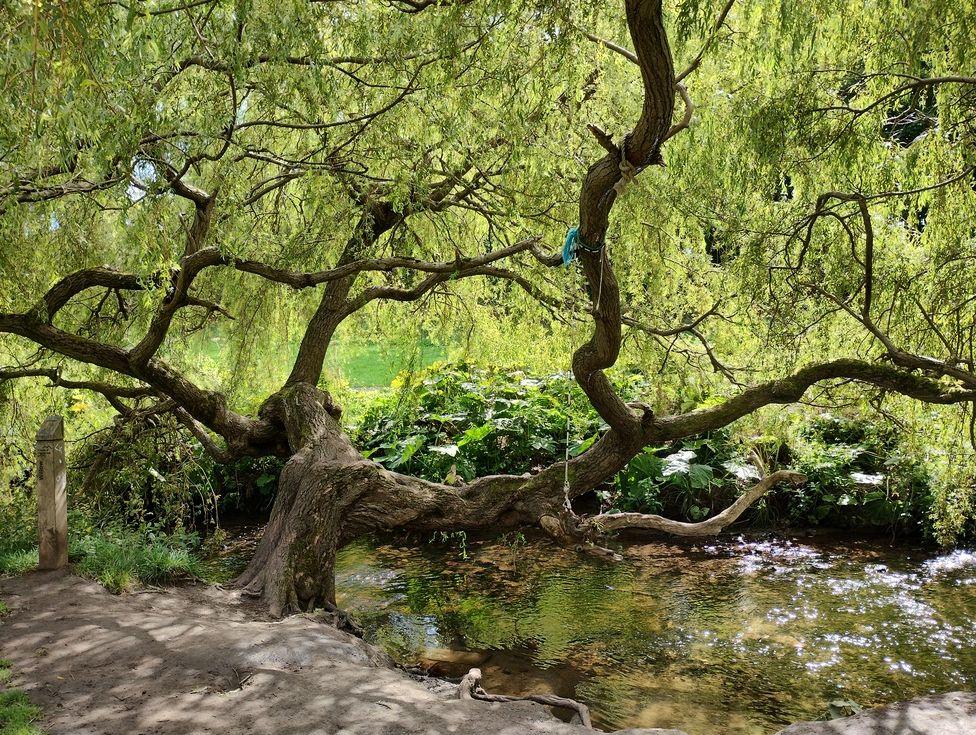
(709, 527)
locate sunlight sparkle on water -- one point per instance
(787, 625)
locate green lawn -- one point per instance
(363, 364)
(375, 365)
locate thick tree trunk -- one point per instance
(329, 494)
(324, 502)
(293, 568)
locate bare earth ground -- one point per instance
(200, 660)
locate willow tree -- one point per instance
(788, 204)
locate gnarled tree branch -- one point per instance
(709, 527)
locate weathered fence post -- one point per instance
(52, 495)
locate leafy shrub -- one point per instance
(951, 516)
(18, 531)
(147, 474)
(159, 475)
(687, 480)
(857, 477)
(464, 420)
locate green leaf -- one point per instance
(410, 447)
(700, 476)
(475, 434)
(577, 449)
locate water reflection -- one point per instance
(737, 637)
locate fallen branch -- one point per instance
(709, 527)
(470, 688)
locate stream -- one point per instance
(731, 637)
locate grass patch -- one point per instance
(18, 561)
(5, 671)
(17, 714)
(120, 560)
(4, 610)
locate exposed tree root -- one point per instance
(342, 620)
(470, 688)
(565, 528)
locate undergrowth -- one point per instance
(118, 558)
(121, 559)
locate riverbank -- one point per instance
(200, 660)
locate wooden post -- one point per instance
(52, 495)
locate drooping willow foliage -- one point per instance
(472, 119)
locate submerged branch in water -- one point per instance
(470, 688)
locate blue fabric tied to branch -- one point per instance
(574, 243)
(569, 248)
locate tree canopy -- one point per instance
(769, 196)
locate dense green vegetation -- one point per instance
(116, 553)
(473, 421)
(477, 421)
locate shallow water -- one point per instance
(726, 638)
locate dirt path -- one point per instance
(199, 660)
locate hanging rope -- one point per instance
(628, 171)
(599, 289)
(574, 243)
(569, 408)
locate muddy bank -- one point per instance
(199, 660)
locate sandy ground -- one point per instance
(199, 660)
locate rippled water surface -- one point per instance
(735, 637)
